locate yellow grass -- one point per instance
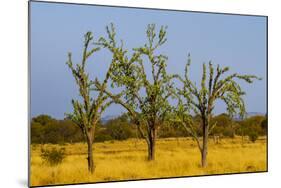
(125, 160)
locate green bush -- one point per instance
(228, 132)
(119, 129)
(253, 136)
(102, 137)
(54, 156)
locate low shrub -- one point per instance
(253, 136)
(53, 156)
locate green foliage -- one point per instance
(102, 136)
(145, 100)
(86, 114)
(224, 125)
(37, 133)
(192, 99)
(55, 132)
(119, 129)
(53, 156)
(252, 124)
(264, 125)
(42, 119)
(219, 87)
(228, 132)
(65, 131)
(170, 129)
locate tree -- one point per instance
(224, 125)
(118, 129)
(37, 133)
(146, 100)
(201, 101)
(252, 124)
(87, 113)
(54, 131)
(264, 126)
(42, 119)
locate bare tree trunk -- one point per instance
(90, 158)
(151, 144)
(204, 151)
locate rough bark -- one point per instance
(151, 144)
(90, 158)
(204, 150)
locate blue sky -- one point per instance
(56, 29)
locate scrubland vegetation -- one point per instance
(125, 160)
(154, 138)
(48, 130)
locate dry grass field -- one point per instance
(126, 160)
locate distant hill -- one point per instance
(105, 119)
(249, 114)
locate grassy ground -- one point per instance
(124, 160)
